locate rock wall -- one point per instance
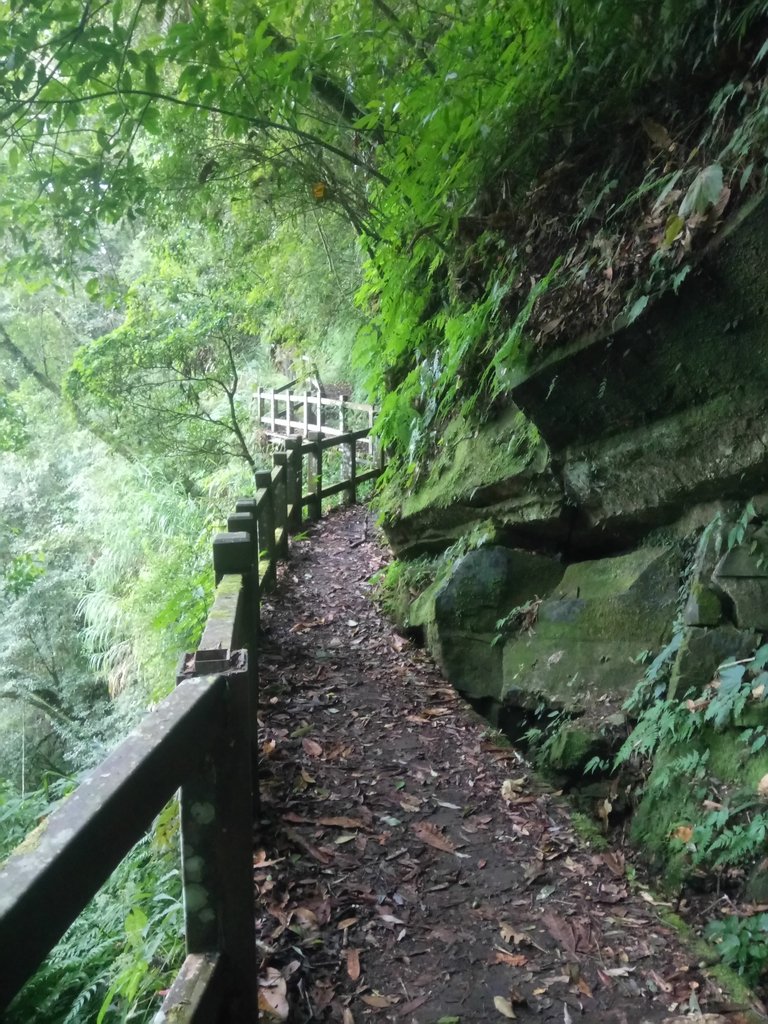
(597, 511)
(618, 434)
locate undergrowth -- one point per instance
(124, 949)
(723, 823)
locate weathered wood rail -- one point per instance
(282, 413)
(201, 739)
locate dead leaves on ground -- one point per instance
(395, 841)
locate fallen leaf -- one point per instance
(379, 1002)
(347, 1016)
(414, 1004)
(311, 747)
(353, 964)
(513, 959)
(509, 934)
(656, 132)
(561, 931)
(308, 918)
(432, 836)
(341, 822)
(504, 1007)
(661, 984)
(604, 808)
(346, 923)
(685, 833)
(511, 788)
(272, 994)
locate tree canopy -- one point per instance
(479, 153)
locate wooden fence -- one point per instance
(282, 413)
(202, 739)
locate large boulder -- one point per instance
(741, 575)
(583, 654)
(702, 651)
(460, 612)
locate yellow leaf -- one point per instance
(504, 1007)
(674, 226)
(684, 833)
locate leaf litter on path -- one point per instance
(405, 869)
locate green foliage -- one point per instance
(19, 815)
(742, 943)
(425, 130)
(13, 432)
(400, 581)
(122, 951)
(676, 732)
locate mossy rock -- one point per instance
(460, 611)
(584, 646)
(571, 748)
(497, 472)
(702, 651)
(489, 582)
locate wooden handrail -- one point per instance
(202, 738)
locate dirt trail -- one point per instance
(407, 868)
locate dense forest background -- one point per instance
(199, 198)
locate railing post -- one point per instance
(306, 414)
(293, 482)
(244, 521)
(315, 475)
(265, 521)
(287, 412)
(217, 851)
(280, 492)
(351, 492)
(231, 554)
(343, 413)
(319, 413)
(272, 410)
(259, 407)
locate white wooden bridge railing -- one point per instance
(282, 413)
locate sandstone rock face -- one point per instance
(741, 575)
(460, 613)
(702, 651)
(582, 654)
(621, 433)
(610, 494)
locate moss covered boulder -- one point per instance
(582, 654)
(460, 612)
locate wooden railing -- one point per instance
(281, 413)
(202, 739)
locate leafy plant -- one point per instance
(742, 943)
(122, 951)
